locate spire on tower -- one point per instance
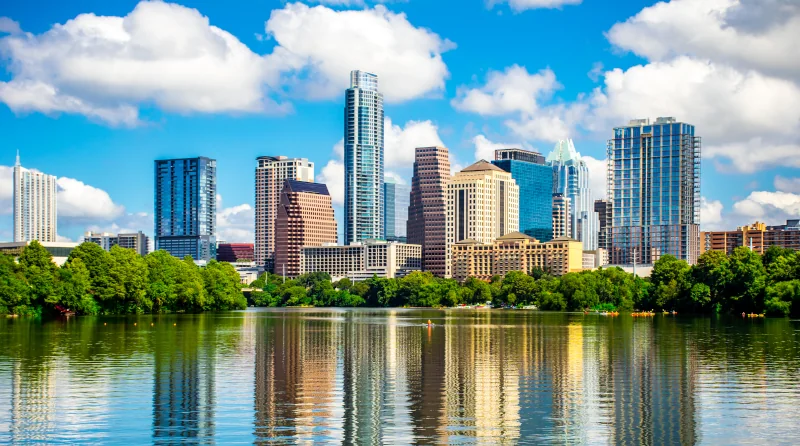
(17, 163)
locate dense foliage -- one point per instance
(742, 282)
(94, 281)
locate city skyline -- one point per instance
(98, 134)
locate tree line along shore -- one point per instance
(94, 281)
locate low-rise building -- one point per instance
(59, 250)
(361, 261)
(235, 252)
(136, 241)
(759, 236)
(595, 259)
(515, 252)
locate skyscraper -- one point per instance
(562, 216)
(654, 189)
(271, 173)
(186, 207)
(427, 210)
(35, 205)
(535, 181)
(395, 215)
(482, 205)
(603, 210)
(304, 218)
(572, 180)
(363, 159)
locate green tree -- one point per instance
(745, 291)
(98, 262)
(783, 299)
(128, 275)
(670, 282)
(14, 291)
(222, 286)
(74, 287)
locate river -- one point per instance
(384, 376)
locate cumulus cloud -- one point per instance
(484, 148)
(769, 207)
(513, 90)
(400, 142)
(126, 223)
(78, 200)
(6, 190)
(170, 56)
(8, 26)
(236, 223)
(523, 5)
(784, 184)
(332, 175)
(321, 46)
(710, 214)
(598, 170)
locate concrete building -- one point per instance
(654, 189)
(515, 252)
(363, 260)
(759, 236)
(136, 241)
(235, 252)
(535, 181)
(395, 214)
(562, 212)
(271, 172)
(603, 210)
(363, 159)
(186, 207)
(595, 259)
(572, 180)
(305, 218)
(427, 210)
(482, 205)
(59, 250)
(35, 205)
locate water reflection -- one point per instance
(346, 376)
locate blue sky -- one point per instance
(94, 99)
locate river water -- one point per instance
(384, 376)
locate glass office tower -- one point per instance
(395, 215)
(363, 159)
(654, 189)
(535, 181)
(185, 207)
(572, 181)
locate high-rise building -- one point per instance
(482, 205)
(654, 188)
(758, 236)
(186, 207)
(395, 215)
(603, 210)
(562, 213)
(136, 241)
(572, 180)
(427, 211)
(271, 172)
(535, 181)
(305, 218)
(363, 260)
(35, 205)
(363, 159)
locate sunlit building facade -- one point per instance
(35, 205)
(427, 210)
(362, 260)
(757, 236)
(562, 212)
(654, 189)
(535, 181)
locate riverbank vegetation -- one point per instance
(94, 281)
(742, 282)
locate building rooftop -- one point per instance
(482, 166)
(516, 236)
(307, 187)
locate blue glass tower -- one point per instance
(185, 207)
(572, 181)
(395, 216)
(654, 189)
(363, 159)
(535, 181)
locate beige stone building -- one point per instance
(363, 260)
(562, 220)
(304, 218)
(482, 205)
(515, 252)
(758, 235)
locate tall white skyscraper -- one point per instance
(35, 205)
(271, 174)
(572, 180)
(363, 159)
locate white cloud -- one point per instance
(321, 46)
(395, 177)
(522, 5)
(769, 207)
(510, 91)
(236, 223)
(105, 66)
(597, 176)
(784, 184)
(332, 175)
(710, 214)
(79, 200)
(720, 30)
(6, 190)
(400, 142)
(484, 148)
(127, 223)
(8, 26)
